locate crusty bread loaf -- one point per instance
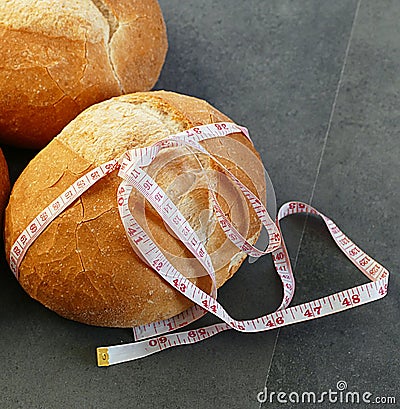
(82, 266)
(59, 57)
(4, 185)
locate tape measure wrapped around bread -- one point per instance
(59, 57)
(82, 265)
(4, 185)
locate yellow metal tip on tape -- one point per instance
(102, 357)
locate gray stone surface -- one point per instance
(273, 66)
(358, 186)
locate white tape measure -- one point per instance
(153, 337)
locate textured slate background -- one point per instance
(317, 84)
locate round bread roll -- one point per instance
(61, 56)
(82, 266)
(4, 185)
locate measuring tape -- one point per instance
(155, 337)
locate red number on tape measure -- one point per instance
(17, 251)
(157, 264)
(220, 126)
(181, 286)
(308, 313)
(355, 299)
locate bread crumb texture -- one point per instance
(59, 57)
(82, 266)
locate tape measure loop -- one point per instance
(131, 169)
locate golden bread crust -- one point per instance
(82, 266)
(60, 57)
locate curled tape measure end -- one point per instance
(103, 358)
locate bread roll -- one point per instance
(82, 266)
(4, 186)
(61, 56)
